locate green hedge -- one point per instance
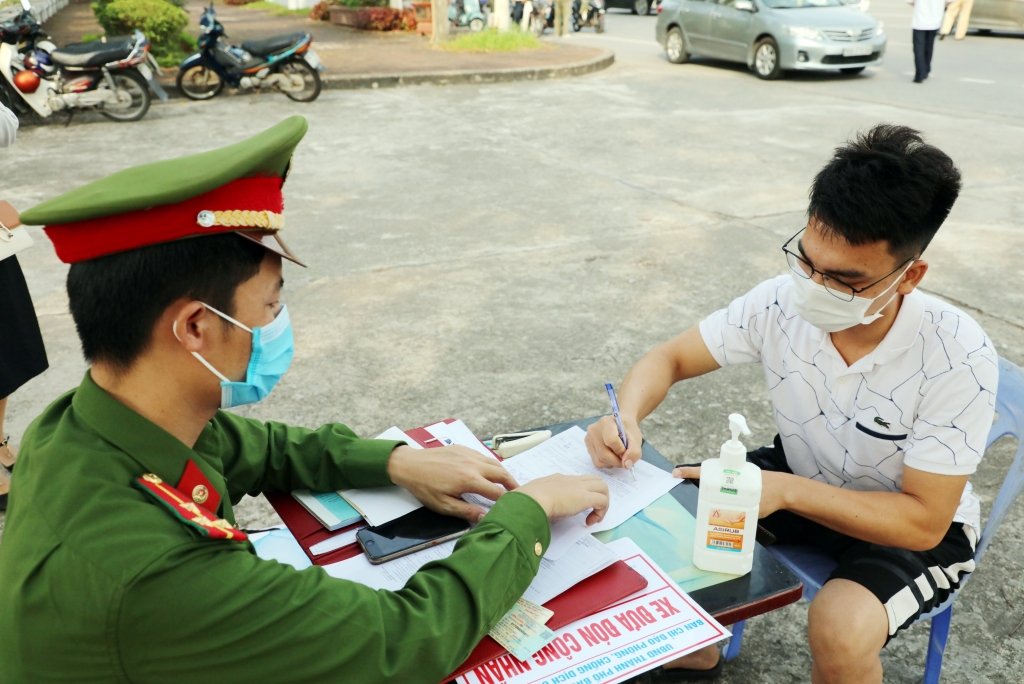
(161, 21)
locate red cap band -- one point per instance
(84, 240)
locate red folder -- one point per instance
(609, 586)
(593, 594)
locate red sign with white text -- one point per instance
(659, 624)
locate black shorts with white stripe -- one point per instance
(908, 583)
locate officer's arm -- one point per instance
(214, 611)
(264, 457)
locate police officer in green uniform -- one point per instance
(120, 561)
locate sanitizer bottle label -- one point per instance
(725, 529)
(729, 478)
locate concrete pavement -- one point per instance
(496, 253)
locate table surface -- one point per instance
(770, 585)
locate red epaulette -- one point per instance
(188, 511)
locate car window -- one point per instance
(792, 4)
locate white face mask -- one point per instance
(825, 311)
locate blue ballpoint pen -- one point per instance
(618, 421)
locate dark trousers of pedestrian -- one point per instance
(924, 41)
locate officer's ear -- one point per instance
(194, 325)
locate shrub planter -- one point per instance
(345, 16)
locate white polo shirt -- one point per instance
(925, 397)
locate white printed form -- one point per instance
(586, 558)
(655, 625)
(566, 453)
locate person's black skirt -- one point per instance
(22, 355)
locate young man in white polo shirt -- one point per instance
(883, 398)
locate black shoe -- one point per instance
(918, 80)
(942, 36)
(679, 674)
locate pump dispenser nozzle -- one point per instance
(734, 454)
(738, 425)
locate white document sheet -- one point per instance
(566, 453)
(391, 575)
(458, 433)
(335, 542)
(379, 505)
(586, 558)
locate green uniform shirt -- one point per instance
(100, 583)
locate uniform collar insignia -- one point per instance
(187, 511)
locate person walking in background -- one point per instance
(960, 12)
(24, 356)
(563, 15)
(926, 22)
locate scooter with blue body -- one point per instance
(286, 63)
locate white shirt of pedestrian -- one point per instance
(924, 398)
(927, 14)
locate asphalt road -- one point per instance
(496, 253)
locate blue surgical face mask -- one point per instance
(272, 351)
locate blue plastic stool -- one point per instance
(813, 566)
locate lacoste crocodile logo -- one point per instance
(881, 422)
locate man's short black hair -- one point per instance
(887, 184)
(117, 299)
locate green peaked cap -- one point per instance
(174, 180)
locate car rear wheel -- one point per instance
(852, 71)
(641, 7)
(675, 46)
(766, 59)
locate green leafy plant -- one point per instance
(491, 40)
(357, 4)
(161, 21)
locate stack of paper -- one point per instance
(379, 505)
(566, 453)
(587, 557)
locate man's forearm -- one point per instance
(887, 518)
(648, 382)
(646, 385)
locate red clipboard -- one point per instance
(593, 594)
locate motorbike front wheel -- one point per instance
(600, 24)
(310, 78)
(199, 83)
(135, 93)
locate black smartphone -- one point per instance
(413, 531)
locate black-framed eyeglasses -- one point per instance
(837, 288)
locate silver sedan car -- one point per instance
(772, 36)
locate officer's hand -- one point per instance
(605, 447)
(438, 477)
(563, 496)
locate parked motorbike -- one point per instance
(467, 13)
(109, 75)
(23, 32)
(286, 63)
(594, 18)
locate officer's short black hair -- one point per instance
(886, 184)
(116, 299)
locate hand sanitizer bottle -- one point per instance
(727, 507)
